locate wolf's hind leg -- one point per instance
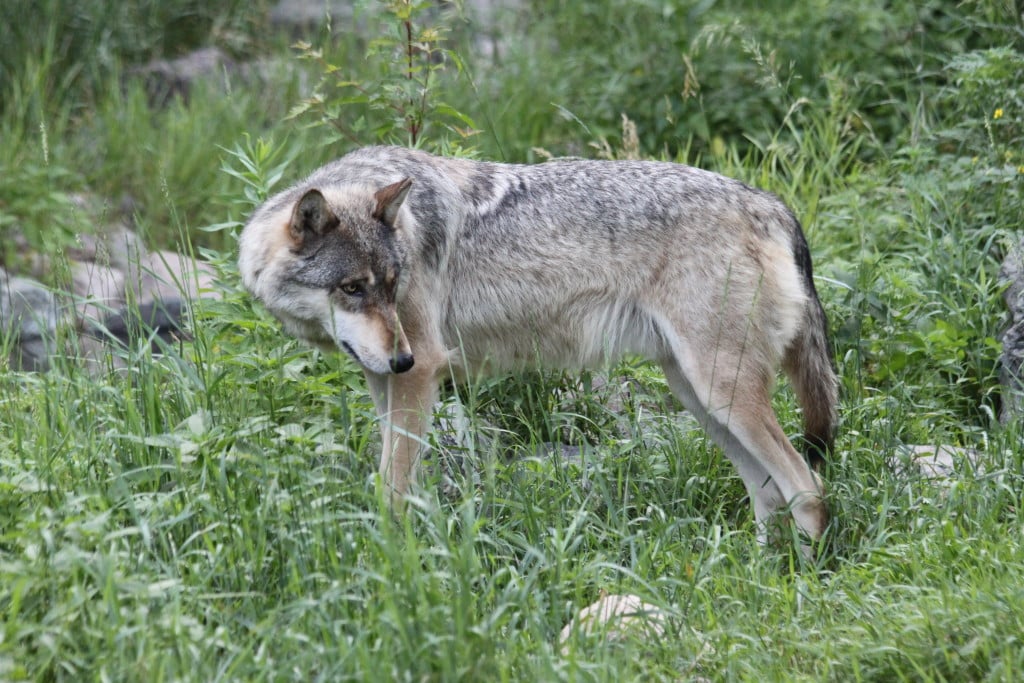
(741, 421)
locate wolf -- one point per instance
(425, 268)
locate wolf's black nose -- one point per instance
(402, 362)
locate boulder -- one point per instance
(168, 79)
(29, 316)
(298, 17)
(615, 617)
(108, 288)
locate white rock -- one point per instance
(616, 616)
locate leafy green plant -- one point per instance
(398, 101)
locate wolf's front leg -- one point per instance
(403, 403)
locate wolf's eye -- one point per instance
(353, 288)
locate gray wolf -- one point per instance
(423, 268)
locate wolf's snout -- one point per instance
(402, 362)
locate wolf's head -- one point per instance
(328, 266)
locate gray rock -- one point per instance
(117, 246)
(302, 15)
(97, 290)
(110, 289)
(29, 316)
(167, 79)
(941, 463)
(167, 276)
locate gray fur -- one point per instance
(499, 267)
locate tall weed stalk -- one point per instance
(396, 96)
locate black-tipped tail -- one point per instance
(810, 367)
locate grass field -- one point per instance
(210, 513)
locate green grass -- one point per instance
(212, 513)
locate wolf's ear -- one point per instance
(389, 201)
(311, 216)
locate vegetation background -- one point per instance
(209, 513)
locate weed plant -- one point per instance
(211, 513)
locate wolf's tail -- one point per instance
(810, 367)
